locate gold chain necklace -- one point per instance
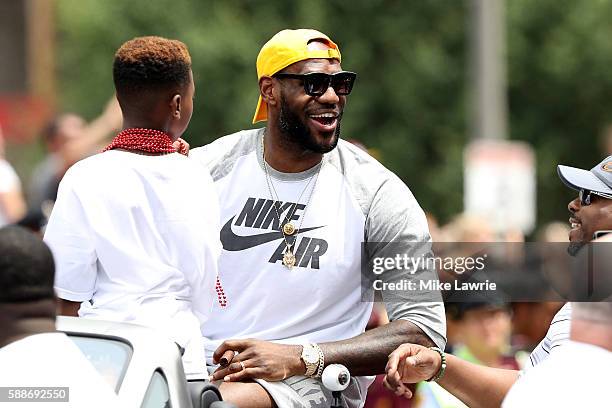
(288, 228)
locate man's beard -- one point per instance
(296, 132)
(574, 247)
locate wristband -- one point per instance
(442, 369)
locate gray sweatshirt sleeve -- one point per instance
(396, 225)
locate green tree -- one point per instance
(559, 58)
(409, 101)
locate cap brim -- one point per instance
(579, 179)
(261, 113)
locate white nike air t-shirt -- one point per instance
(355, 200)
(136, 239)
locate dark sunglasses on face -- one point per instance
(586, 196)
(317, 83)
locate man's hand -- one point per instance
(261, 359)
(410, 363)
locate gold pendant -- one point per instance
(288, 229)
(289, 259)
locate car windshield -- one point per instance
(109, 356)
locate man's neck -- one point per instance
(595, 333)
(20, 320)
(287, 157)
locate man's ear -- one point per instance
(268, 90)
(175, 105)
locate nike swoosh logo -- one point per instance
(233, 242)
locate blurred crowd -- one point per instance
(67, 138)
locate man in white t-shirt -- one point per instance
(476, 385)
(134, 230)
(32, 353)
(296, 205)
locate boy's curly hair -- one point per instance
(146, 63)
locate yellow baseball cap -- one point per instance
(285, 48)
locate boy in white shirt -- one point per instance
(135, 229)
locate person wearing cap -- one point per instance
(591, 211)
(481, 386)
(297, 202)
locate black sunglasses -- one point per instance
(317, 83)
(586, 196)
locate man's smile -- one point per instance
(575, 233)
(324, 120)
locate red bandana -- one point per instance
(154, 141)
(142, 140)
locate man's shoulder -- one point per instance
(365, 175)
(349, 157)
(220, 156)
(241, 141)
(358, 166)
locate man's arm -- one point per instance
(367, 353)
(475, 385)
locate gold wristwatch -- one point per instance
(310, 357)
